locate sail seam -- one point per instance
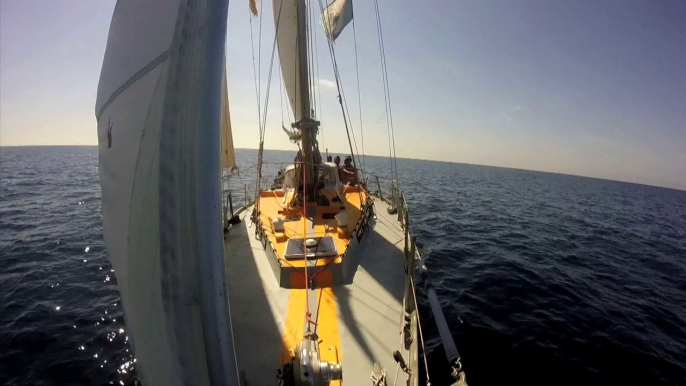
(154, 63)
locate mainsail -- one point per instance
(286, 23)
(159, 115)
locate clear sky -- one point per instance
(589, 87)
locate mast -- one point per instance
(302, 62)
(307, 125)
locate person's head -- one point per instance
(337, 160)
(348, 161)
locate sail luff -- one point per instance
(212, 97)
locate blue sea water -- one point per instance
(544, 278)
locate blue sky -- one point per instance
(593, 88)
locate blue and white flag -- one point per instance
(336, 16)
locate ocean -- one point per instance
(544, 278)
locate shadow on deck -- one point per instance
(257, 336)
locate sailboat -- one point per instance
(313, 284)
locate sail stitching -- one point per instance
(154, 63)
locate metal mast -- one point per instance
(308, 126)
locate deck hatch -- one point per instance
(324, 247)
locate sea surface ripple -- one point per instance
(544, 278)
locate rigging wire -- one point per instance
(258, 85)
(347, 112)
(307, 316)
(307, 278)
(254, 69)
(341, 95)
(421, 334)
(383, 77)
(263, 119)
(319, 92)
(310, 59)
(359, 97)
(387, 94)
(344, 104)
(259, 62)
(352, 130)
(269, 80)
(308, 46)
(282, 86)
(280, 95)
(296, 58)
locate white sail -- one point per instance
(228, 156)
(158, 106)
(286, 24)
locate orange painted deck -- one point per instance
(273, 206)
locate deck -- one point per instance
(272, 206)
(360, 322)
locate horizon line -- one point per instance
(422, 159)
